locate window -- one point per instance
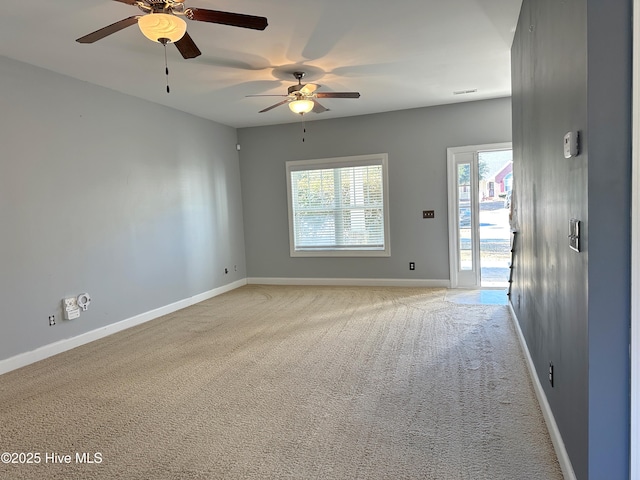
(338, 207)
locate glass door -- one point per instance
(478, 178)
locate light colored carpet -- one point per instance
(271, 382)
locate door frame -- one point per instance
(452, 189)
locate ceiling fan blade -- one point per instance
(187, 47)
(308, 89)
(128, 2)
(226, 18)
(265, 95)
(337, 95)
(108, 30)
(274, 106)
(318, 108)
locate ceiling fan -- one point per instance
(161, 22)
(302, 98)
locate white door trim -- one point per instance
(452, 182)
(635, 251)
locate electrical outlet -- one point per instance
(551, 374)
(226, 270)
(428, 214)
(52, 320)
(412, 265)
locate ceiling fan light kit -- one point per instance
(301, 106)
(162, 25)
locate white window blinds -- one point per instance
(338, 205)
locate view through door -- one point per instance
(495, 180)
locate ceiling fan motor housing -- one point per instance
(159, 6)
(294, 88)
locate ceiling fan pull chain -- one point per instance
(166, 66)
(304, 128)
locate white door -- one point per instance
(464, 213)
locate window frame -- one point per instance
(333, 163)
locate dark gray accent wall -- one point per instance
(416, 141)
(571, 65)
(135, 203)
(609, 78)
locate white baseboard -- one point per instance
(46, 351)
(352, 282)
(552, 426)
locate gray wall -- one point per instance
(416, 141)
(135, 203)
(571, 71)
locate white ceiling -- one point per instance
(398, 54)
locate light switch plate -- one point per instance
(574, 234)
